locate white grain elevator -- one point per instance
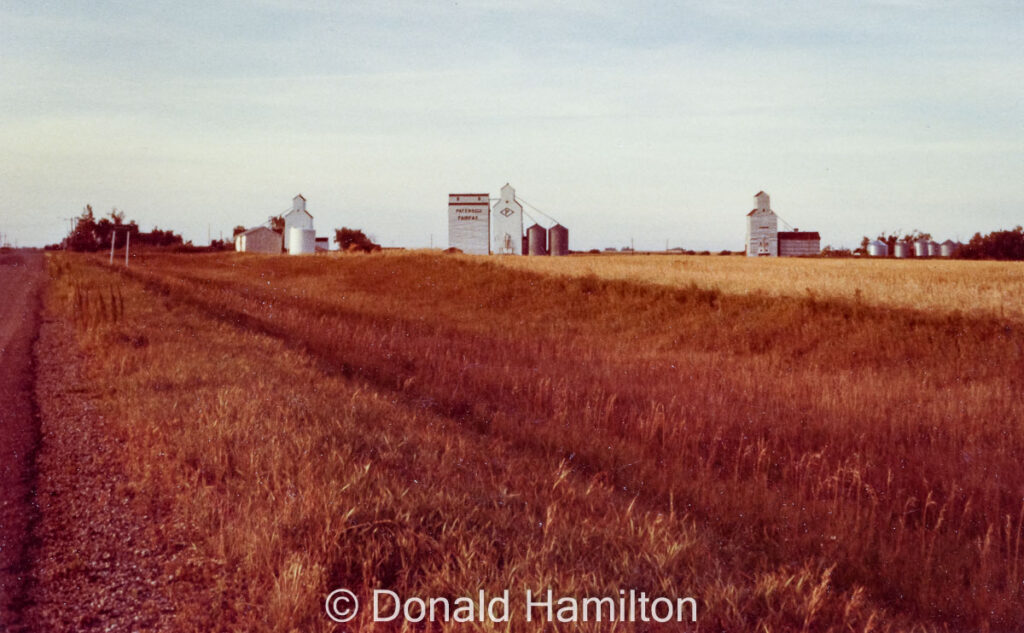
(507, 224)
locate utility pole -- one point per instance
(127, 244)
(113, 238)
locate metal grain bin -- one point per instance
(878, 248)
(933, 249)
(948, 248)
(921, 248)
(301, 241)
(558, 240)
(901, 250)
(537, 240)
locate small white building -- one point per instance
(259, 239)
(507, 224)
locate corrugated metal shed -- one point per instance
(799, 243)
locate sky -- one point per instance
(650, 122)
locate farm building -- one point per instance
(799, 243)
(762, 228)
(765, 240)
(259, 239)
(508, 223)
(469, 222)
(299, 235)
(477, 228)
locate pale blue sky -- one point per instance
(650, 120)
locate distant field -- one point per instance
(796, 461)
(995, 288)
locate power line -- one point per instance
(537, 210)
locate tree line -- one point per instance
(90, 234)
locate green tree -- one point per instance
(1004, 245)
(83, 236)
(354, 240)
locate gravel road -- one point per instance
(21, 280)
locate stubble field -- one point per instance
(798, 445)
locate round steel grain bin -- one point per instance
(558, 240)
(921, 248)
(933, 249)
(901, 250)
(301, 241)
(948, 248)
(537, 240)
(878, 249)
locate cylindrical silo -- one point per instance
(537, 238)
(558, 240)
(301, 241)
(947, 248)
(901, 250)
(878, 248)
(921, 248)
(933, 249)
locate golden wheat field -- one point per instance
(801, 445)
(935, 285)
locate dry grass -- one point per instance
(435, 425)
(974, 287)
